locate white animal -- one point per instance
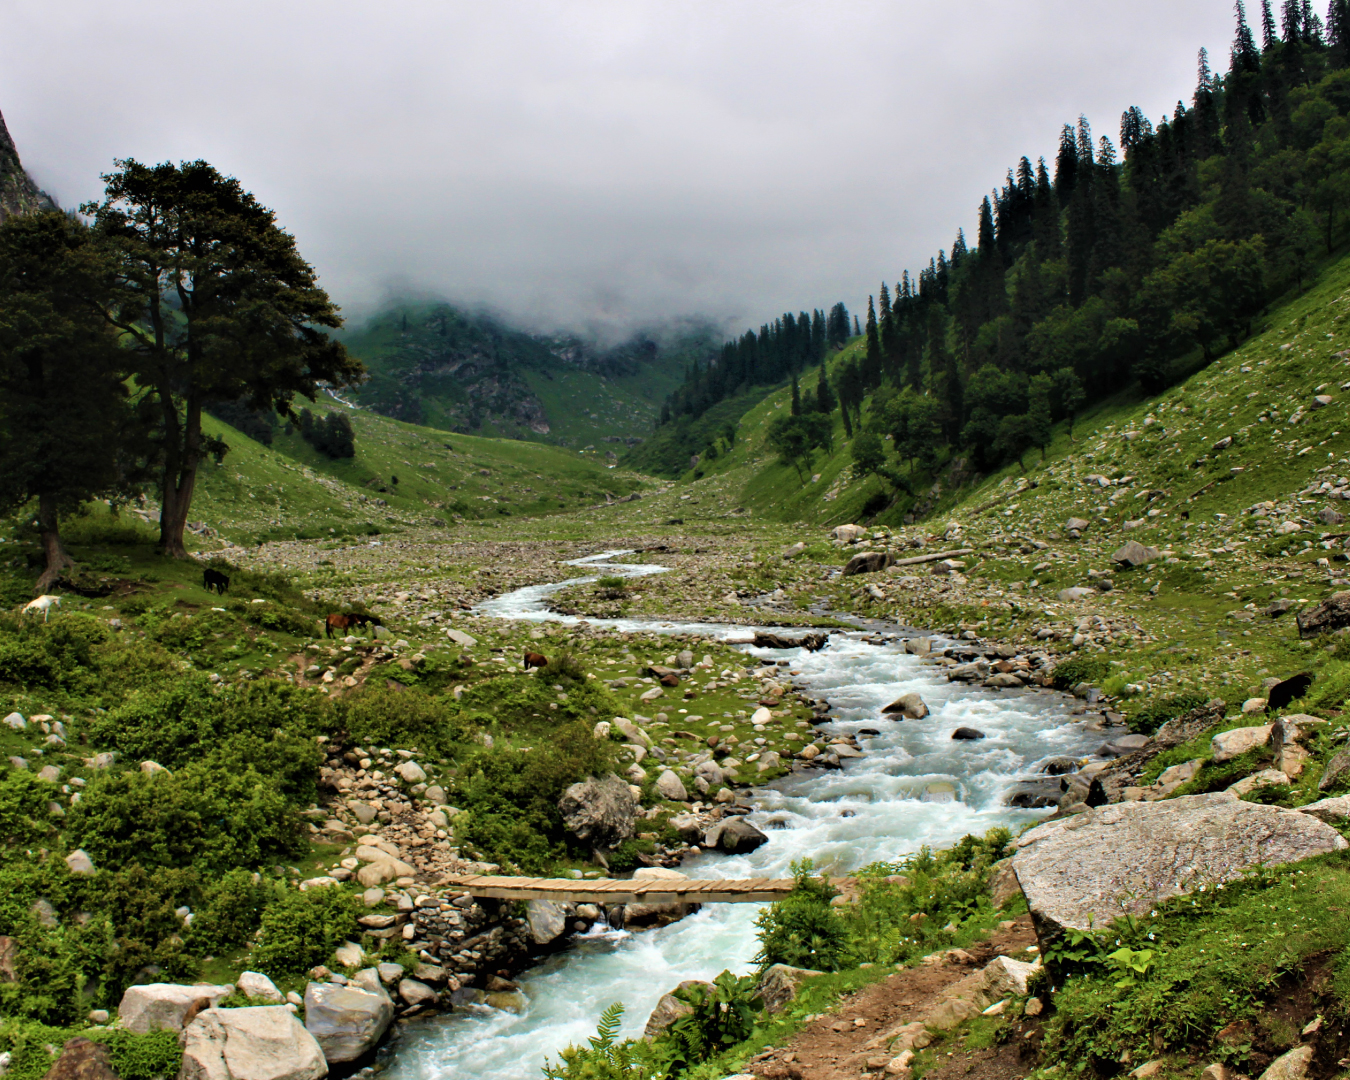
(44, 604)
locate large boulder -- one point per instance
(546, 920)
(256, 985)
(846, 533)
(1135, 554)
(1229, 744)
(671, 787)
(162, 1006)
(656, 913)
(263, 1042)
(669, 1009)
(347, 1021)
(82, 1059)
(1333, 613)
(1122, 859)
(739, 837)
(779, 985)
(599, 812)
(867, 562)
(908, 706)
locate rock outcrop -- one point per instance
(18, 193)
(162, 1006)
(1089, 869)
(263, 1042)
(599, 812)
(1331, 614)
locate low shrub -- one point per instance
(802, 929)
(408, 718)
(299, 930)
(24, 817)
(1081, 669)
(1153, 715)
(230, 911)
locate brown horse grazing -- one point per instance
(354, 621)
(534, 659)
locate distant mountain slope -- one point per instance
(438, 365)
(18, 193)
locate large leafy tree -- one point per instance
(67, 428)
(217, 305)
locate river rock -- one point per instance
(546, 919)
(669, 1009)
(347, 1021)
(779, 985)
(1229, 744)
(411, 772)
(739, 837)
(709, 771)
(1002, 883)
(656, 913)
(254, 984)
(867, 562)
(967, 733)
(383, 869)
(162, 1006)
(262, 1042)
(414, 992)
(1133, 553)
(669, 786)
(909, 706)
(599, 812)
(1122, 745)
(1088, 869)
(82, 1059)
(1331, 614)
(349, 954)
(846, 533)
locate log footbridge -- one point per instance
(626, 891)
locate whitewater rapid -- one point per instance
(873, 809)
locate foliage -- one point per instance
(331, 435)
(1155, 714)
(407, 719)
(802, 929)
(604, 1058)
(133, 1057)
(23, 808)
(1082, 669)
(722, 1015)
(230, 911)
(301, 929)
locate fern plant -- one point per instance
(607, 1057)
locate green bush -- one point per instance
(54, 655)
(230, 911)
(301, 929)
(1155, 714)
(23, 808)
(213, 817)
(1070, 673)
(564, 668)
(132, 1056)
(803, 929)
(405, 719)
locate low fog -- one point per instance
(602, 164)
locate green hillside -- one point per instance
(464, 372)
(402, 475)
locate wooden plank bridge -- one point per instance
(627, 891)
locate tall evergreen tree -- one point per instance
(1338, 33)
(796, 397)
(1268, 36)
(871, 372)
(1066, 166)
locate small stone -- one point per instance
(79, 862)
(1033, 1007)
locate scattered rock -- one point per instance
(967, 733)
(162, 1006)
(79, 862)
(546, 919)
(1229, 744)
(411, 772)
(1335, 772)
(1329, 810)
(263, 1042)
(910, 706)
(739, 837)
(1290, 1066)
(846, 533)
(82, 1059)
(669, 786)
(779, 984)
(1331, 614)
(1077, 592)
(1135, 554)
(1264, 778)
(600, 812)
(867, 562)
(1088, 869)
(1076, 525)
(254, 984)
(347, 1021)
(416, 993)
(669, 1009)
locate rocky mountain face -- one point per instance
(18, 193)
(472, 373)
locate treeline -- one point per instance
(779, 350)
(181, 294)
(1113, 263)
(331, 435)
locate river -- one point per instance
(873, 809)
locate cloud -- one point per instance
(607, 162)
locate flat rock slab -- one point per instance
(1123, 858)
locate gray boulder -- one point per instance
(599, 812)
(1329, 810)
(347, 1021)
(1336, 771)
(867, 562)
(1076, 524)
(1121, 859)
(1135, 554)
(671, 787)
(967, 734)
(546, 920)
(739, 837)
(254, 984)
(162, 1006)
(416, 993)
(669, 1009)
(910, 706)
(779, 985)
(656, 912)
(1229, 744)
(1331, 614)
(263, 1042)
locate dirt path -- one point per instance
(853, 1041)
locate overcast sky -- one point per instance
(597, 162)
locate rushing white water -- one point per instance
(871, 810)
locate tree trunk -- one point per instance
(58, 559)
(180, 478)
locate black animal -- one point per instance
(215, 581)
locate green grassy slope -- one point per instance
(290, 489)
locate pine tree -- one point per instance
(1066, 166)
(1268, 36)
(824, 395)
(987, 242)
(889, 335)
(1338, 32)
(796, 397)
(871, 373)
(856, 329)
